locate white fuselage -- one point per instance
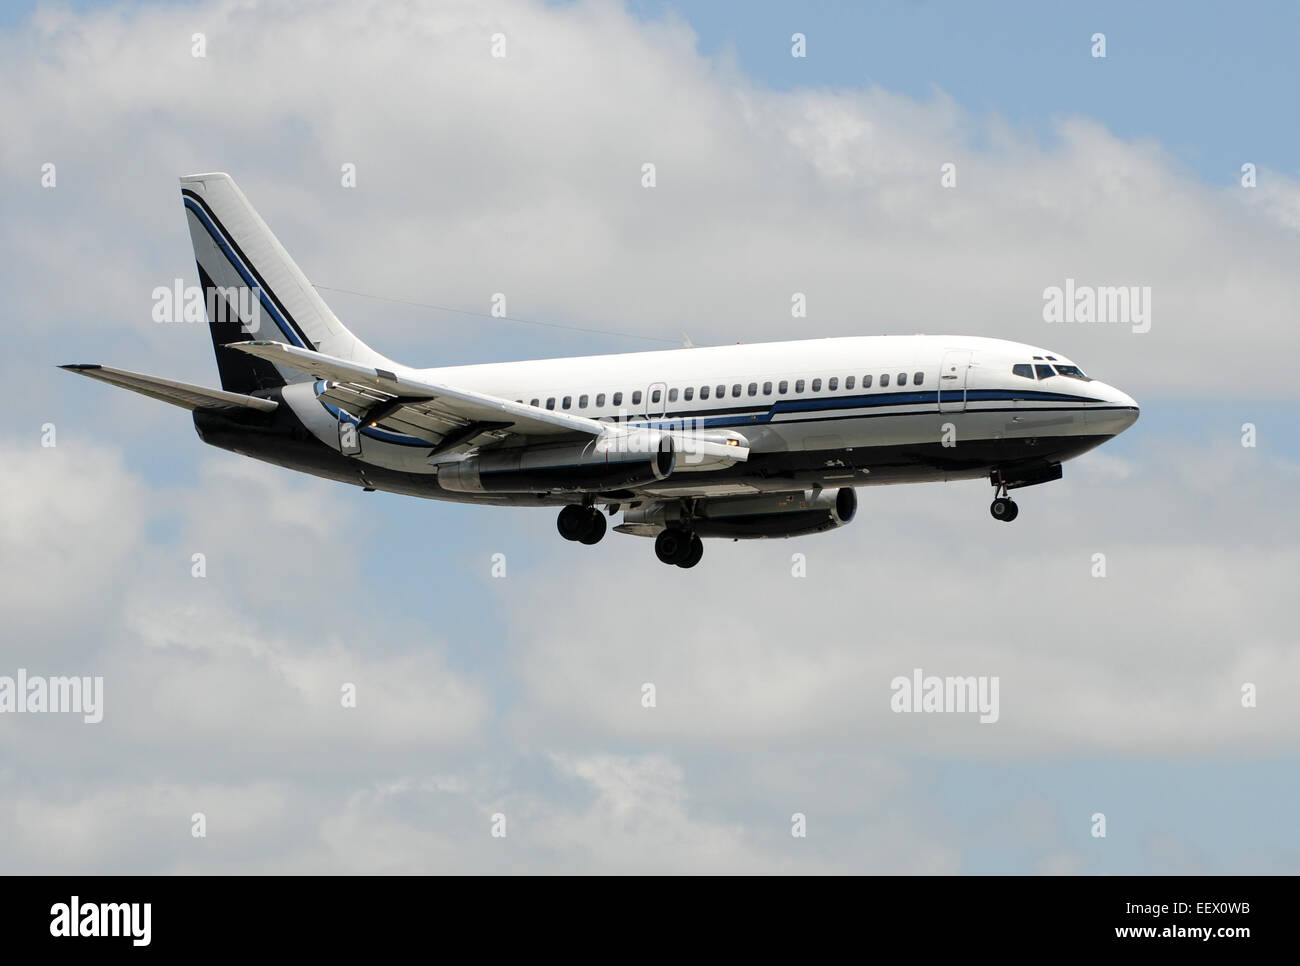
(805, 407)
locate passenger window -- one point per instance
(704, 392)
(535, 402)
(866, 382)
(735, 389)
(848, 382)
(722, 391)
(688, 393)
(833, 384)
(656, 396)
(1023, 369)
(618, 399)
(550, 403)
(1044, 371)
(884, 380)
(672, 395)
(568, 401)
(753, 389)
(783, 387)
(767, 389)
(600, 399)
(902, 379)
(636, 398)
(817, 385)
(918, 378)
(582, 402)
(798, 386)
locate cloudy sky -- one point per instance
(521, 695)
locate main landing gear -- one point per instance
(585, 524)
(1003, 507)
(677, 547)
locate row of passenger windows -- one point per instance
(737, 390)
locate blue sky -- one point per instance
(1118, 693)
(1211, 81)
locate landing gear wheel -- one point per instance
(696, 552)
(573, 522)
(1004, 508)
(673, 546)
(595, 527)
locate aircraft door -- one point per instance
(952, 380)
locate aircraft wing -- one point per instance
(181, 394)
(445, 416)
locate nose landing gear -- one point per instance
(1003, 507)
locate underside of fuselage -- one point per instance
(280, 438)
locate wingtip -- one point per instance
(80, 366)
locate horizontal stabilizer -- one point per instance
(170, 391)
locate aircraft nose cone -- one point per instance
(1128, 415)
(1116, 412)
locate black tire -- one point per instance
(1001, 508)
(573, 522)
(595, 528)
(692, 558)
(672, 545)
(1015, 511)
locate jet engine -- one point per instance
(752, 517)
(611, 462)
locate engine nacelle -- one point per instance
(610, 462)
(756, 517)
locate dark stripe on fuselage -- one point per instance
(282, 439)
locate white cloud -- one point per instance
(1149, 659)
(522, 175)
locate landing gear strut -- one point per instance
(677, 547)
(585, 524)
(1003, 507)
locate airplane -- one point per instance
(762, 440)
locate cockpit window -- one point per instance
(1044, 371)
(1074, 372)
(1023, 369)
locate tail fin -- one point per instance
(253, 289)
